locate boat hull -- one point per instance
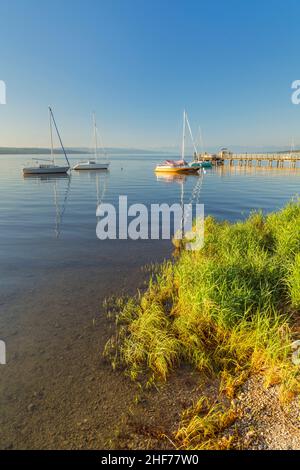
(201, 165)
(43, 171)
(188, 169)
(206, 165)
(89, 166)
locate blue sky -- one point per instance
(139, 63)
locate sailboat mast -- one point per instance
(62, 146)
(95, 136)
(183, 136)
(191, 134)
(51, 137)
(201, 140)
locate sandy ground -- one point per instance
(56, 391)
(266, 422)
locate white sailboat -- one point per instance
(93, 164)
(178, 166)
(50, 167)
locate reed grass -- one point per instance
(225, 309)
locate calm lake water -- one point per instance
(55, 273)
(48, 223)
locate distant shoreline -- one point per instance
(47, 151)
(30, 151)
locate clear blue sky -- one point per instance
(138, 63)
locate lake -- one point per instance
(55, 274)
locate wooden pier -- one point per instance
(269, 159)
(252, 159)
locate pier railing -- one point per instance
(259, 158)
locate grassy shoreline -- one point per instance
(229, 310)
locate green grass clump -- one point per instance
(225, 309)
(294, 282)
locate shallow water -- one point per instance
(55, 274)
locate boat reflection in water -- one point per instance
(60, 199)
(187, 201)
(172, 177)
(99, 178)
